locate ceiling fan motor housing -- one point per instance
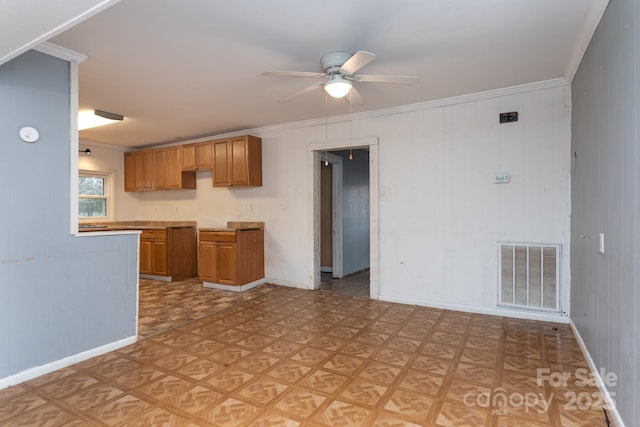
(332, 61)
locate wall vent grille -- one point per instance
(529, 276)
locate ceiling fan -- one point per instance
(339, 72)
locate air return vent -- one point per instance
(529, 276)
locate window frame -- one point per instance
(109, 184)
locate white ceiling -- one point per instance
(184, 69)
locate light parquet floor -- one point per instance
(277, 356)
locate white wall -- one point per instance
(440, 215)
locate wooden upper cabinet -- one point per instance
(173, 168)
(221, 163)
(133, 171)
(237, 162)
(197, 156)
(159, 173)
(205, 155)
(149, 168)
(234, 162)
(139, 170)
(189, 159)
(168, 173)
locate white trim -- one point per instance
(498, 311)
(438, 103)
(611, 407)
(90, 233)
(63, 363)
(234, 288)
(592, 19)
(374, 254)
(336, 213)
(326, 269)
(35, 43)
(166, 279)
(313, 230)
(74, 145)
(60, 52)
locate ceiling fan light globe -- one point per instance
(337, 88)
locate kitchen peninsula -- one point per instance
(168, 249)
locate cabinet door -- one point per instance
(149, 168)
(220, 163)
(159, 254)
(208, 261)
(239, 161)
(227, 263)
(133, 171)
(204, 156)
(145, 257)
(159, 172)
(189, 157)
(173, 164)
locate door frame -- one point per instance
(313, 167)
(336, 211)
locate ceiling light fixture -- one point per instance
(94, 118)
(337, 86)
(86, 151)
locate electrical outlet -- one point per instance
(601, 248)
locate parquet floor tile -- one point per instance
(277, 356)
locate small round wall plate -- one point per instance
(29, 134)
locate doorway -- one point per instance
(363, 253)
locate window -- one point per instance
(94, 195)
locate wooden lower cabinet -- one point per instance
(169, 253)
(153, 253)
(234, 257)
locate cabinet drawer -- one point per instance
(218, 236)
(153, 234)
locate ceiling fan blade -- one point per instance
(357, 61)
(369, 78)
(354, 97)
(295, 74)
(302, 91)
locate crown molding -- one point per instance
(427, 105)
(60, 52)
(49, 33)
(402, 109)
(592, 19)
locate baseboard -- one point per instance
(234, 288)
(612, 409)
(287, 283)
(63, 363)
(167, 279)
(498, 311)
(326, 269)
